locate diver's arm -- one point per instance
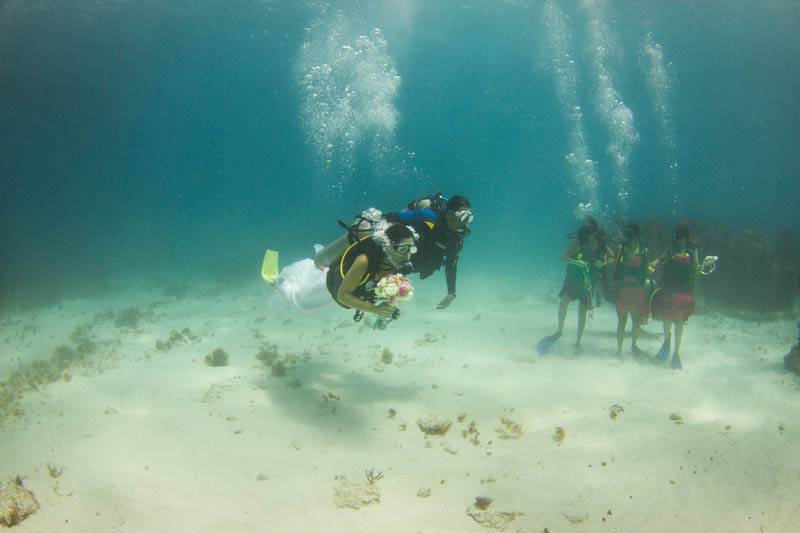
(345, 295)
(611, 257)
(451, 272)
(567, 256)
(409, 217)
(450, 275)
(696, 261)
(662, 258)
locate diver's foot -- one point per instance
(676, 362)
(619, 353)
(635, 349)
(576, 348)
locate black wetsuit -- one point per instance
(437, 245)
(340, 267)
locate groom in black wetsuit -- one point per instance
(441, 224)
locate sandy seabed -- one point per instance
(140, 435)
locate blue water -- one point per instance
(183, 138)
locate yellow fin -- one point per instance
(269, 268)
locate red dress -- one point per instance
(677, 299)
(631, 293)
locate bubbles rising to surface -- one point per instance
(615, 114)
(564, 71)
(349, 86)
(660, 85)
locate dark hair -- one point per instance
(631, 231)
(587, 229)
(591, 224)
(398, 232)
(457, 202)
(683, 230)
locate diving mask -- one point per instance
(399, 254)
(464, 217)
(405, 249)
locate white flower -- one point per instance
(390, 289)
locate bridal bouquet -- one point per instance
(395, 289)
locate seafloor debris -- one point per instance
(559, 435)
(424, 492)
(16, 502)
(472, 432)
(434, 425)
(329, 404)
(575, 518)
(485, 513)
(387, 356)
(428, 338)
(615, 410)
(675, 417)
(355, 494)
(509, 429)
(55, 470)
(175, 339)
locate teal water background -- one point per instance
(181, 139)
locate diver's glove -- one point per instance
(446, 301)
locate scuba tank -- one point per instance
(437, 202)
(362, 226)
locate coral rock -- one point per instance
(434, 425)
(490, 516)
(16, 502)
(355, 494)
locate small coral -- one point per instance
(483, 502)
(372, 476)
(279, 369)
(486, 514)
(387, 356)
(268, 354)
(218, 357)
(559, 435)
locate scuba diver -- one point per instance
(586, 258)
(441, 224)
(630, 277)
(673, 302)
(306, 284)
(352, 278)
